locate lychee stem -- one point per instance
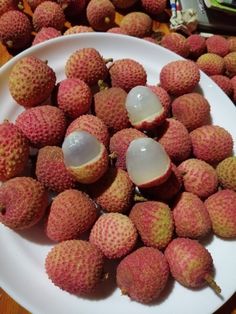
(212, 284)
(20, 6)
(9, 43)
(113, 155)
(102, 85)
(107, 20)
(139, 198)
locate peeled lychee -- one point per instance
(44, 34)
(31, 81)
(14, 151)
(100, 14)
(176, 43)
(137, 24)
(211, 64)
(163, 96)
(224, 83)
(217, 44)
(23, 202)
(230, 63)
(154, 7)
(71, 213)
(114, 234)
(75, 266)
(197, 45)
(143, 274)
(226, 171)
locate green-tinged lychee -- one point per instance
(100, 14)
(217, 44)
(199, 177)
(75, 266)
(232, 43)
(23, 202)
(31, 81)
(44, 34)
(226, 171)
(73, 8)
(71, 213)
(211, 143)
(230, 63)
(176, 43)
(137, 24)
(114, 234)
(143, 274)
(14, 151)
(51, 170)
(211, 64)
(154, 223)
(190, 263)
(221, 207)
(191, 217)
(110, 101)
(42, 125)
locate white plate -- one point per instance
(22, 256)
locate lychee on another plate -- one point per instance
(197, 45)
(100, 14)
(211, 64)
(217, 44)
(123, 4)
(77, 29)
(23, 201)
(226, 172)
(75, 266)
(230, 63)
(176, 43)
(137, 24)
(154, 7)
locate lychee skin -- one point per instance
(123, 4)
(73, 8)
(23, 202)
(31, 81)
(230, 63)
(211, 143)
(44, 34)
(154, 7)
(232, 44)
(48, 14)
(87, 65)
(8, 5)
(75, 266)
(100, 14)
(233, 81)
(163, 96)
(221, 208)
(191, 217)
(154, 223)
(176, 43)
(127, 73)
(179, 77)
(43, 125)
(217, 44)
(211, 64)
(192, 109)
(197, 45)
(117, 30)
(15, 29)
(14, 148)
(51, 170)
(78, 29)
(226, 171)
(190, 262)
(137, 24)
(224, 83)
(114, 234)
(199, 177)
(143, 274)
(74, 97)
(71, 214)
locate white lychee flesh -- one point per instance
(147, 162)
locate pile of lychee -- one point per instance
(135, 169)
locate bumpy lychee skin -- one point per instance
(51, 170)
(233, 81)
(221, 208)
(48, 14)
(117, 30)
(174, 137)
(43, 125)
(71, 214)
(224, 83)
(197, 45)
(15, 29)
(192, 109)
(154, 223)
(154, 7)
(143, 274)
(108, 101)
(191, 217)
(114, 234)
(74, 97)
(73, 8)
(127, 73)
(34, 3)
(114, 191)
(23, 202)
(75, 266)
(44, 34)
(232, 44)
(230, 63)
(211, 143)
(31, 81)
(91, 124)
(176, 43)
(119, 144)
(137, 24)
(163, 96)
(123, 4)
(86, 64)
(8, 5)
(78, 29)
(211, 64)
(199, 177)
(217, 44)
(226, 171)
(100, 14)
(179, 77)
(14, 151)
(190, 263)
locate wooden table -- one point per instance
(9, 306)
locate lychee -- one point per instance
(176, 43)
(154, 7)
(230, 64)
(233, 81)
(211, 64)
(100, 14)
(23, 202)
(44, 34)
(143, 274)
(34, 3)
(197, 45)
(232, 44)
(114, 234)
(78, 29)
(123, 4)
(137, 24)
(226, 171)
(8, 5)
(224, 83)
(163, 96)
(73, 8)
(75, 266)
(117, 30)
(217, 44)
